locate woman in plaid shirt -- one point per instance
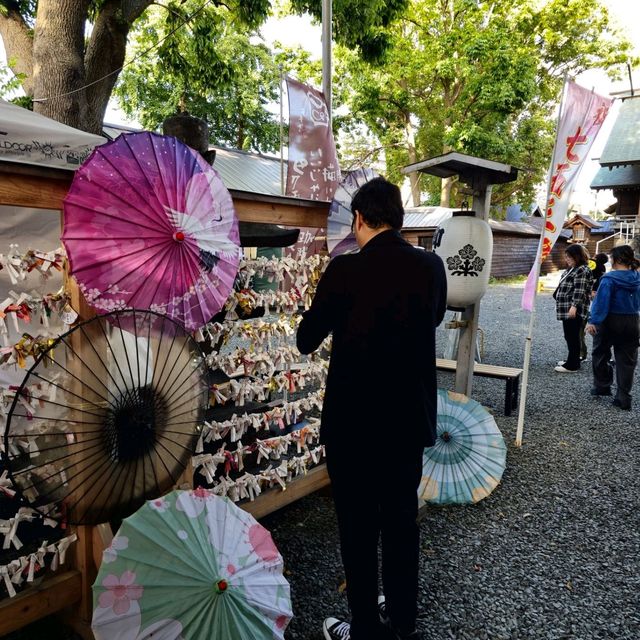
(572, 303)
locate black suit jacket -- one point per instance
(382, 306)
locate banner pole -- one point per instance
(281, 134)
(327, 34)
(538, 264)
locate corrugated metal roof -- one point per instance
(606, 227)
(421, 217)
(239, 170)
(431, 217)
(623, 144)
(251, 172)
(538, 223)
(522, 228)
(112, 131)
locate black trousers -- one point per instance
(375, 502)
(583, 342)
(571, 328)
(622, 333)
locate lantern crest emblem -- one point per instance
(466, 263)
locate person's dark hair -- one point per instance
(601, 259)
(379, 203)
(624, 255)
(579, 254)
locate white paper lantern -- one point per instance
(465, 244)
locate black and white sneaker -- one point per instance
(335, 629)
(384, 618)
(382, 611)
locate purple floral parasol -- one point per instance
(340, 238)
(148, 224)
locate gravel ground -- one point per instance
(553, 553)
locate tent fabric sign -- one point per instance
(30, 138)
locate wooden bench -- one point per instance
(509, 374)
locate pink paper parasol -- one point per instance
(148, 224)
(340, 238)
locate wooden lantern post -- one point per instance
(479, 175)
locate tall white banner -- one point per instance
(582, 113)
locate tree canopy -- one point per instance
(70, 67)
(476, 76)
(412, 78)
(215, 69)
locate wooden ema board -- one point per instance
(70, 591)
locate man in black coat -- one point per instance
(382, 306)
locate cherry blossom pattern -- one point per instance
(110, 554)
(262, 544)
(192, 503)
(159, 504)
(120, 592)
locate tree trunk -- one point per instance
(414, 178)
(447, 183)
(445, 191)
(105, 55)
(18, 45)
(68, 85)
(58, 69)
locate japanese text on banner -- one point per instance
(312, 170)
(583, 113)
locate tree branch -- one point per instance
(105, 54)
(18, 44)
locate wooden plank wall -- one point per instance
(628, 202)
(513, 254)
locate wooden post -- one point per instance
(86, 549)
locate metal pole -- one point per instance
(282, 189)
(326, 53)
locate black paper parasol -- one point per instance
(107, 417)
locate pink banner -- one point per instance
(582, 114)
(312, 170)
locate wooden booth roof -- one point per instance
(579, 218)
(43, 188)
(253, 181)
(465, 166)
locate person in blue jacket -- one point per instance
(615, 323)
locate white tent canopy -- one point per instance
(30, 138)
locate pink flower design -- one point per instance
(192, 503)
(159, 504)
(262, 543)
(231, 569)
(201, 492)
(111, 552)
(119, 592)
